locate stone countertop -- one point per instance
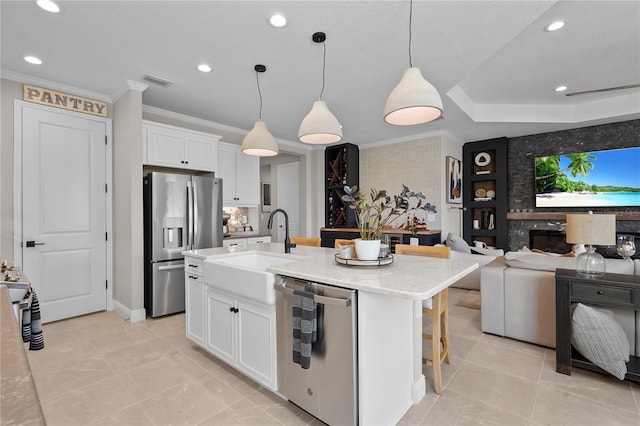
(19, 403)
(386, 231)
(409, 277)
(233, 235)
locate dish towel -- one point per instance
(304, 327)
(32, 325)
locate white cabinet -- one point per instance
(170, 146)
(194, 300)
(243, 334)
(259, 240)
(243, 242)
(240, 175)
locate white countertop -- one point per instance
(409, 277)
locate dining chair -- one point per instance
(437, 308)
(306, 241)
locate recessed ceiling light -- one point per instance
(204, 68)
(554, 26)
(561, 88)
(33, 60)
(49, 6)
(278, 20)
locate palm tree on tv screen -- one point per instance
(549, 177)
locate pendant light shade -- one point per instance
(259, 141)
(320, 126)
(413, 101)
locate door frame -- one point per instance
(280, 219)
(18, 108)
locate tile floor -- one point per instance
(101, 370)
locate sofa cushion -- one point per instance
(600, 339)
(457, 244)
(539, 261)
(552, 261)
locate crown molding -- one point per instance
(216, 126)
(576, 112)
(409, 138)
(36, 81)
(127, 86)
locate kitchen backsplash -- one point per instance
(242, 219)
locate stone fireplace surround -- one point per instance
(553, 241)
(522, 151)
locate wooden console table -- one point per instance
(610, 290)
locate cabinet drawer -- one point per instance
(193, 265)
(602, 293)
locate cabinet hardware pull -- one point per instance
(193, 266)
(600, 292)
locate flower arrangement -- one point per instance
(381, 210)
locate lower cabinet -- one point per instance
(242, 334)
(194, 306)
(243, 242)
(194, 299)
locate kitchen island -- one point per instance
(389, 316)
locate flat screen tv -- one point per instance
(608, 178)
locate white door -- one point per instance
(64, 218)
(288, 193)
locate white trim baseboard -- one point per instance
(126, 313)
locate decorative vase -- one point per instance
(367, 249)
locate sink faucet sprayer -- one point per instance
(287, 241)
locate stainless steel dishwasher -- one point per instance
(328, 389)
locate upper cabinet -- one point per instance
(179, 148)
(240, 175)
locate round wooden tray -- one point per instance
(357, 262)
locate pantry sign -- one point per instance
(57, 99)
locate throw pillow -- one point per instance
(600, 339)
(457, 244)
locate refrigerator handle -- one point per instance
(189, 216)
(194, 214)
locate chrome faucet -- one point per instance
(287, 242)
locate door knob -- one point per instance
(33, 244)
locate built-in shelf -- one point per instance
(563, 215)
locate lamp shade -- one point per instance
(260, 142)
(413, 101)
(589, 228)
(320, 126)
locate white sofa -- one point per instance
(518, 298)
(471, 281)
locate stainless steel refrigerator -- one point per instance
(181, 212)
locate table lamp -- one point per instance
(591, 229)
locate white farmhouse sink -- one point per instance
(245, 275)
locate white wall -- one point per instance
(128, 236)
(9, 91)
(421, 165)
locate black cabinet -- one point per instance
(342, 168)
(485, 192)
(610, 290)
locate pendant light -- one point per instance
(414, 100)
(320, 126)
(259, 141)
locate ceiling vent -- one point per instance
(157, 80)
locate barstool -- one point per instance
(437, 308)
(306, 241)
